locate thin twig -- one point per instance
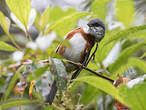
(76, 64)
(96, 73)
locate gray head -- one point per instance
(96, 28)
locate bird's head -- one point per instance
(96, 27)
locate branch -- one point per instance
(76, 64)
(96, 73)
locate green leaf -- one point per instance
(135, 97)
(12, 82)
(101, 84)
(135, 62)
(40, 71)
(6, 47)
(124, 33)
(18, 102)
(125, 11)
(37, 20)
(5, 23)
(144, 55)
(138, 63)
(21, 9)
(49, 16)
(138, 35)
(60, 13)
(10, 86)
(48, 107)
(86, 98)
(103, 50)
(2, 81)
(37, 73)
(44, 19)
(66, 23)
(123, 57)
(99, 8)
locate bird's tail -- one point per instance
(52, 93)
(75, 74)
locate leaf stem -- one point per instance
(27, 34)
(13, 41)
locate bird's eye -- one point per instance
(96, 24)
(93, 25)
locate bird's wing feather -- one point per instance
(67, 37)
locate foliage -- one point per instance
(123, 57)
(66, 23)
(5, 23)
(94, 94)
(122, 7)
(137, 93)
(101, 84)
(99, 8)
(17, 7)
(6, 47)
(17, 102)
(33, 68)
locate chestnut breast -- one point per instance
(80, 43)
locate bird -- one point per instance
(81, 42)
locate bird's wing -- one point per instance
(57, 48)
(67, 37)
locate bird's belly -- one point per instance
(74, 52)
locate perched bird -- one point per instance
(81, 41)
